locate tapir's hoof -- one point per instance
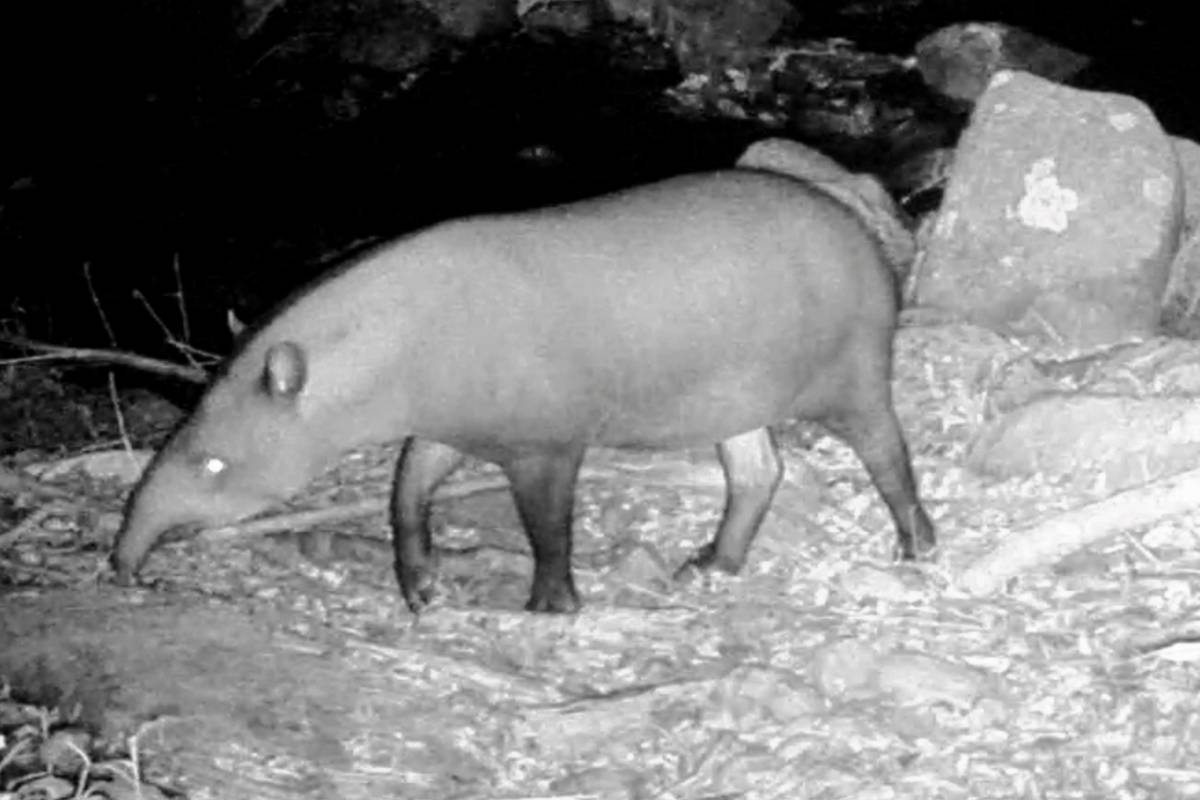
(417, 585)
(916, 538)
(689, 571)
(706, 559)
(123, 574)
(557, 598)
(920, 546)
(125, 577)
(921, 551)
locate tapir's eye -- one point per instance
(213, 467)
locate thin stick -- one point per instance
(1051, 540)
(115, 357)
(87, 276)
(184, 321)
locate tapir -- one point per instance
(701, 309)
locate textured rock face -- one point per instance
(1060, 219)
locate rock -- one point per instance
(390, 38)
(1181, 298)
(958, 61)
(121, 789)
(919, 679)
(66, 751)
(845, 669)
(1060, 219)
(570, 17)
(924, 172)
(1160, 368)
(752, 693)
(608, 782)
(642, 568)
(472, 19)
(871, 583)
(709, 35)
(1092, 442)
(1188, 153)
(45, 787)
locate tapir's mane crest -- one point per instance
(337, 265)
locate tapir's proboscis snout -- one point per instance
(242, 451)
(704, 309)
(169, 498)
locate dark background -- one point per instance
(132, 127)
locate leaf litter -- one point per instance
(822, 671)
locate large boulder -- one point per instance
(1060, 219)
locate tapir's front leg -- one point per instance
(422, 467)
(543, 485)
(753, 470)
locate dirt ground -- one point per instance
(246, 669)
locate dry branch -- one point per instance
(661, 472)
(13, 482)
(303, 520)
(1049, 541)
(114, 357)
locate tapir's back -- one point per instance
(682, 311)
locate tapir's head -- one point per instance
(246, 447)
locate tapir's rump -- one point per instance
(705, 308)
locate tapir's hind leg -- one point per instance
(867, 422)
(753, 470)
(543, 485)
(422, 467)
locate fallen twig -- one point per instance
(1051, 540)
(303, 520)
(105, 356)
(12, 482)
(667, 473)
(30, 522)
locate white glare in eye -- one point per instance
(214, 465)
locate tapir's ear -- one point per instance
(235, 325)
(285, 370)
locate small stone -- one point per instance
(845, 669)
(919, 679)
(871, 583)
(642, 566)
(122, 789)
(65, 751)
(767, 693)
(608, 782)
(47, 787)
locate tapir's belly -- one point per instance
(646, 388)
(726, 406)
